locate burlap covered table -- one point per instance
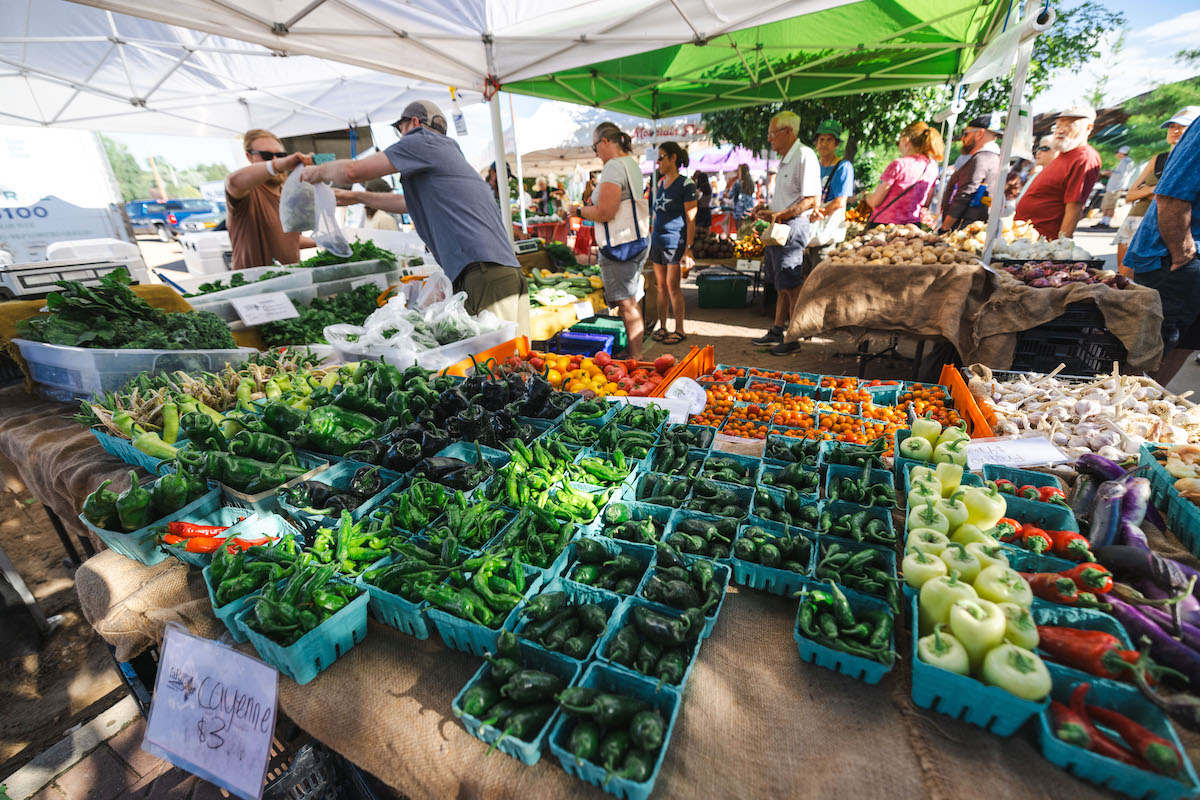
(966, 304)
(755, 721)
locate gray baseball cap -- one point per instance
(1184, 116)
(427, 113)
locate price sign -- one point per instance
(213, 712)
(1028, 451)
(743, 264)
(262, 308)
(378, 280)
(584, 310)
(689, 392)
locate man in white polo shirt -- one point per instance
(797, 190)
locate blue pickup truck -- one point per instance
(162, 217)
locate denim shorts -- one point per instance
(667, 249)
(1180, 295)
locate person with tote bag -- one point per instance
(622, 219)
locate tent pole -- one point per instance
(501, 168)
(996, 211)
(956, 105)
(512, 120)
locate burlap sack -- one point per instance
(1133, 315)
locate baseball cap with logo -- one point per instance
(427, 113)
(1123, 149)
(831, 128)
(991, 122)
(1184, 116)
(1080, 111)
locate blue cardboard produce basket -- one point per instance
(615, 547)
(141, 545)
(1162, 484)
(966, 698)
(316, 650)
(267, 500)
(968, 478)
(470, 637)
(124, 450)
(773, 580)
(638, 492)
(576, 595)
(338, 476)
(721, 576)
(1108, 772)
(661, 515)
(242, 524)
(863, 669)
(229, 612)
(1183, 518)
(875, 477)
(624, 617)
(1087, 619)
(527, 752)
(779, 497)
(608, 679)
(839, 509)
(393, 610)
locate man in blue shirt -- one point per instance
(1163, 252)
(452, 209)
(837, 184)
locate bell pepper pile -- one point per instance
(1078, 724)
(859, 526)
(789, 551)
(827, 618)
(614, 731)
(698, 537)
(553, 621)
(137, 507)
(710, 497)
(238, 573)
(657, 644)
(311, 596)
(792, 509)
(679, 584)
(862, 491)
(726, 470)
(516, 700)
(860, 568)
(805, 452)
(595, 566)
(930, 442)
(794, 476)
(622, 522)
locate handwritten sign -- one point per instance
(378, 280)
(584, 310)
(743, 265)
(261, 308)
(1028, 451)
(213, 712)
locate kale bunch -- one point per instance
(352, 307)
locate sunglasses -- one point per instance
(594, 146)
(267, 155)
(1041, 149)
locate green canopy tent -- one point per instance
(871, 45)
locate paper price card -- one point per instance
(1028, 451)
(584, 310)
(213, 712)
(262, 308)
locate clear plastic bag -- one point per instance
(450, 321)
(437, 288)
(326, 232)
(297, 205)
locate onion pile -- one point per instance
(1052, 275)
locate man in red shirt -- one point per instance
(1054, 201)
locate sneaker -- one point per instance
(786, 348)
(773, 336)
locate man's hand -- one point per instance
(317, 173)
(687, 262)
(289, 163)
(345, 197)
(765, 214)
(1186, 255)
(817, 214)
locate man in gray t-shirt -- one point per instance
(452, 209)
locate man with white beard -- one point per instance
(1054, 201)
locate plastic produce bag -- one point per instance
(437, 288)
(326, 232)
(450, 321)
(297, 205)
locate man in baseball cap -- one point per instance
(452, 209)
(1054, 202)
(1184, 117)
(837, 184)
(1118, 182)
(962, 200)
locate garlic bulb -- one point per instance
(1111, 453)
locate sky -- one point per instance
(1157, 29)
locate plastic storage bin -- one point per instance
(316, 650)
(527, 752)
(723, 291)
(577, 594)
(1109, 772)
(347, 270)
(866, 670)
(136, 545)
(587, 344)
(393, 610)
(72, 372)
(966, 698)
(224, 308)
(608, 679)
(603, 324)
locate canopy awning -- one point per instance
(871, 45)
(78, 67)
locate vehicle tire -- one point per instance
(164, 233)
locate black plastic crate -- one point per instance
(1078, 315)
(1084, 352)
(318, 773)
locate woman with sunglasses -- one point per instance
(675, 206)
(252, 199)
(1043, 154)
(1141, 191)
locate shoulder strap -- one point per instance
(1160, 163)
(632, 202)
(904, 192)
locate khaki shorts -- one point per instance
(499, 289)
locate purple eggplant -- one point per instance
(1189, 632)
(1132, 536)
(1106, 514)
(1132, 563)
(1099, 467)
(1167, 651)
(1083, 495)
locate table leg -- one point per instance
(864, 355)
(72, 553)
(918, 357)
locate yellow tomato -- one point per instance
(620, 393)
(587, 364)
(576, 386)
(554, 376)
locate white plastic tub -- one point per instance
(223, 308)
(68, 373)
(330, 288)
(205, 254)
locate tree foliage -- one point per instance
(1147, 113)
(137, 182)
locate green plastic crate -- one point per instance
(604, 325)
(723, 291)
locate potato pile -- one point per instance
(905, 244)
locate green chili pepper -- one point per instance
(133, 506)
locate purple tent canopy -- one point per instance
(722, 159)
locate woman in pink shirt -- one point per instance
(906, 184)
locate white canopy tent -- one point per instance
(66, 65)
(476, 45)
